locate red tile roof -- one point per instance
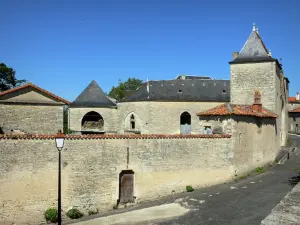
(297, 110)
(239, 110)
(37, 88)
(115, 136)
(293, 99)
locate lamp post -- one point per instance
(59, 140)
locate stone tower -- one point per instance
(254, 68)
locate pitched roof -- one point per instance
(93, 96)
(30, 85)
(254, 50)
(297, 110)
(182, 90)
(293, 100)
(239, 110)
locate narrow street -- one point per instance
(243, 202)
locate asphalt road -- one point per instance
(246, 202)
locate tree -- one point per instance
(8, 78)
(118, 92)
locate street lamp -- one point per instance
(59, 140)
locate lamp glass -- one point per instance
(59, 142)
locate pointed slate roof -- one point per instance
(254, 50)
(92, 96)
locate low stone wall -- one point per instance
(91, 164)
(287, 211)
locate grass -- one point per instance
(189, 188)
(260, 170)
(289, 143)
(297, 170)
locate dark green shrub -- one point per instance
(189, 188)
(74, 214)
(51, 215)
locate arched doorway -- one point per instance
(92, 122)
(185, 123)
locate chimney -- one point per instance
(257, 106)
(235, 55)
(297, 96)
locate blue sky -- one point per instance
(62, 46)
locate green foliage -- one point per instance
(74, 214)
(242, 177)
(51, 215)
(189, 188)
(118, 92)
(289, 143)
(8, 78)
(259, 170)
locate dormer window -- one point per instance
(132, 122)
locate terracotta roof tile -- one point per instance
(293, 99)
(115, 136)
(233, 109)
(37, 88)
(297, 110)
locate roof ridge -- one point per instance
(29, 84)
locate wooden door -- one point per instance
(126, 187)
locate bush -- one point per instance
(260, 170)
(74, 214)
(189, 188)
(51, 215)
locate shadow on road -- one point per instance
(294, 180)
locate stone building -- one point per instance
(31, 109)
(230, 128)
(294, 113)
(171, 106)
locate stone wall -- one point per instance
(109, 116)
(163, 117)
(254, 141)
(265, 76)
(294, 122)
(248, 77)
(33, 118)
(91, 167)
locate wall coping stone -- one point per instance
(113, 136)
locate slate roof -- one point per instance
(239, 110)
(34, 87)
(92, 96)
(183, 90)
(254, 50)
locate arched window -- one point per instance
(132, 122)
(185, 118)
(185, 123)
(92, 121)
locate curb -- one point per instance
(285, 155)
